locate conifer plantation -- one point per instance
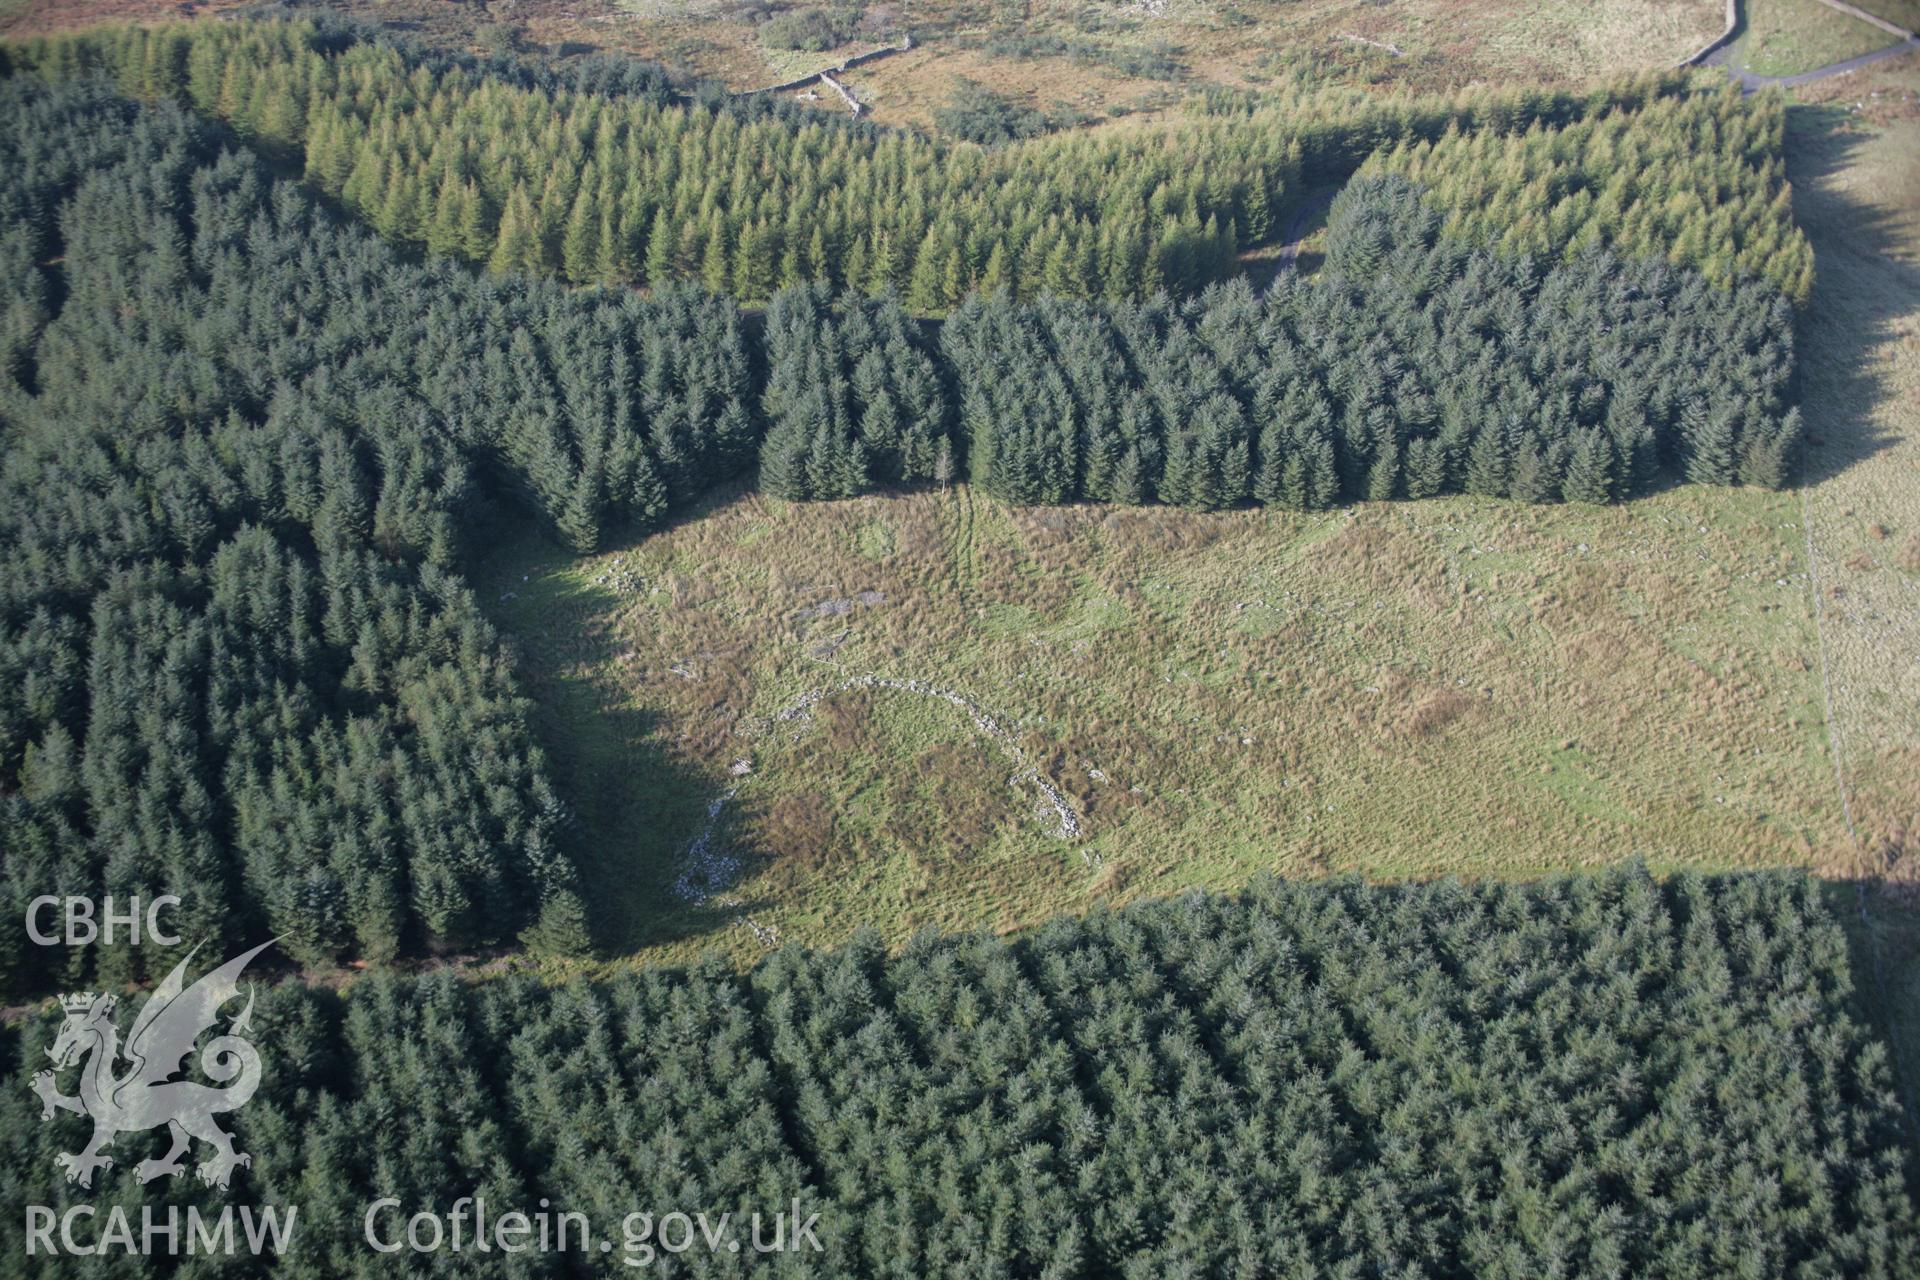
(246, 450)
(853, 400)
(251, 445)
(1601, 1076)
(607, 179)
(1699, 180)
(1412, 366)
(298, 320)
(625, 187)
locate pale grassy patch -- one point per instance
(1786, 37)
(1620, 35)
(1858, 195)
(1904, 13)
(1399, 690)
(1857, 192)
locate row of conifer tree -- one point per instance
(1587, 1078)
(1412, 366)
(249, 446)
(1696, 179)
(610, 179)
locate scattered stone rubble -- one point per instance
(1068, 821)
(708, 870)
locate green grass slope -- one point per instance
(1457, 686)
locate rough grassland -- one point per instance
(1399, 690)
(1076, 58)
(1902, 13)
(1786, 37)
(1858, 192)
(1440, 43)
(1858, 195)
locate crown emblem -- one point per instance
(144, 1095)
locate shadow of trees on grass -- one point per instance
(1861, 289)
(634, 805)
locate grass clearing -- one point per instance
(1857, 191)
(1787, 37)
(1902, 13)
(1851, 149)
(1398, 690)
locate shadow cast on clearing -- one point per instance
(1861, 289)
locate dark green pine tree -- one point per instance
(1590, 469)
(1710, 437)
(1531, 478)
(1769, 450)
(561, 928)
(783, 461)
(1383, 477)
(1487, 471)
(1426, 469)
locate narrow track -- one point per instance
(960, 541)
(1720, 53)
(1295, 232)
(1751, 82)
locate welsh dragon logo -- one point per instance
(145, 1095)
